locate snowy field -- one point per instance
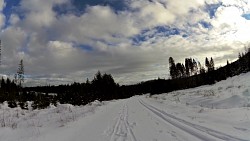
(219, 112)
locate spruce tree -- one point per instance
(187, 67)
(207, 64)
(19, 76)
(191, 65)
(211, 64)
(180, 70)
(195, 67)
(172, 68)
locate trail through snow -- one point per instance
(133, 119)
(122, 129)
(219, 112)
(193, 129)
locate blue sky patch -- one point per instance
(9, 9)
(205, 24)
(164, 31)
(167, 30)
(84, 47)
(246, 16)
(78, 7)
(212, 8)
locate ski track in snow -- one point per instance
(200, 132)
(122, 130)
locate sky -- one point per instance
(65, 41)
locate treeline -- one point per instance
(189, 76)
(103, 87)
(11, 90)
(13, 94)
(191, 67)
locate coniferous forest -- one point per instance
(103, 87)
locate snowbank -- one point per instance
(32, 123)
(231, 93)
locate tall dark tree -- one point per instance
(187, 67)
(202, 70)
(172, 68)
(191, 65)
(207, 64)
(211, 64)
(104, 86)
(183, 71)
(195, 67)
(87, 81)
(180, 70)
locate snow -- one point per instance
(212, 112)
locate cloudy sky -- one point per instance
(62, 41)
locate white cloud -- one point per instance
(39, 14)
(2, 5)
(60, 49)
(2, 17)
(181, 8)
(153, 14)
(149, 14)
(48, 42)
(2, 20)
(14, 19)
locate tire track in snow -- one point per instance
(132, 136)
(115, 129)
(193, 129)
(122, 130)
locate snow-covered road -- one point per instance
(219, 112)
(197, 131)
(136, 119)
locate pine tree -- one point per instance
(195, 67)
(187, 67)
(180, 70)
(211, 64)
(191, 65)
(19, 76)
(199, 67)
(202, 70)
(172, 68)
(183, 70)
(207, 64)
